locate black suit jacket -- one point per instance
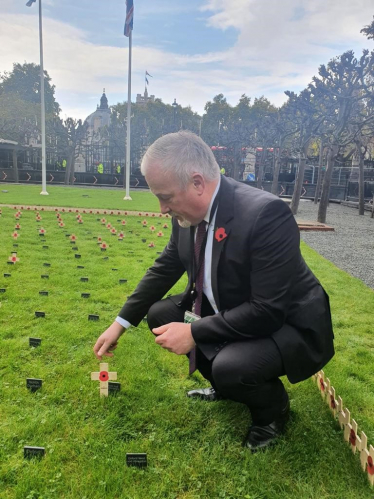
(260, 282)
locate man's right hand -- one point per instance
(108, 341)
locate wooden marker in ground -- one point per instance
(321, 384)
(333, 403)
(367, 458)
(104, 377)
(344, 416)
(350, 435)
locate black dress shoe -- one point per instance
(261, 437)
(205, 394)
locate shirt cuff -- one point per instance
(123, 322)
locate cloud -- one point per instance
(279, 46)
(282, 44)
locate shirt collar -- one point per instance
(207, 216)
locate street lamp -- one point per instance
(175, 105)
(44, 167)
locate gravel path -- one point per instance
(351, 246)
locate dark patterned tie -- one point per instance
(199, 282)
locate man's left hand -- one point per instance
(175, 337)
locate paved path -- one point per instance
(351, 245)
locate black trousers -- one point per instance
(243, 371)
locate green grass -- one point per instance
(194, 448)
(78, 197)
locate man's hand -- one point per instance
(175, 337)
(108, 341)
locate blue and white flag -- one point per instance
(146, 79)
(129, 17)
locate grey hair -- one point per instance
(182, 153)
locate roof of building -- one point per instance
(102, 113)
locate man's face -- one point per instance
(183, 204)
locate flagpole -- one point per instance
(128, 123)
(44, 169)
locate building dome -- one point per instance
(100, 117)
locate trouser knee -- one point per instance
(162, 312)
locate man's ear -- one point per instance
(198, 183)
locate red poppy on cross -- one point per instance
(13, 258)
(104, 376)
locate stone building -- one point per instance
(144, 99)
(95, 150)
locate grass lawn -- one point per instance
(78, 197)
(194, 448)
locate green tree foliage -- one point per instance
(148, 123)
(218, 116)
(369, 30)
(308, 118)
(338, 89)
(18, 119)
(69, 138)
(24, 81)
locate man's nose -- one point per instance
(164, 208)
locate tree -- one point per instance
(19, 119)
(148, 123)
(69, 137)
(218, 115)
(24, 81)
(369, 30)
(361, 129)
(308, 118)
(340, 85)
(263, 117)
(284, 126)
(320, 166)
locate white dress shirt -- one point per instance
(207, 286)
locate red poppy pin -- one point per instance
(370, 465)
(220, 234)
(103, 376)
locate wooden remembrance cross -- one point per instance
(104, 377)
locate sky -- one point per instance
(194, 49)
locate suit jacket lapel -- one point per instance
(225, 214)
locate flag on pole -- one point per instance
(30, 2)
(129, 17)
(146, 79)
